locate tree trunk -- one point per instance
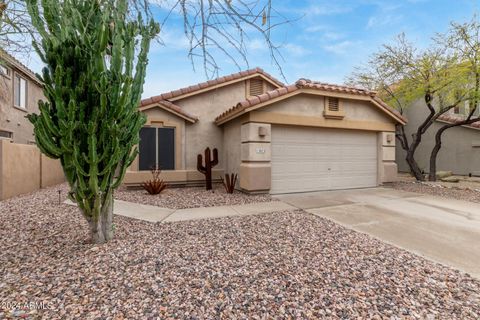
(410, 158)
(410, 150)
(432, 175)
(101, 227)
(414, 168)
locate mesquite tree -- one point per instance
(404, 74)
(95, 59)
(464, 40)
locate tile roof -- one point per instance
(173, 107)
(211, 83)
(306, 84)
(12, 61)
(451, 118)
(164, 97)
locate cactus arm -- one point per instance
(200, 166)
(214, 162)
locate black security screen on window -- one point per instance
(147, 157)
(157, 148)
(166, 148)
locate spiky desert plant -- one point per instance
(95, 59)
(156, 185)
(229, 182)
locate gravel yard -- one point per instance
(190, 197)
(437, 190)
(279, 265)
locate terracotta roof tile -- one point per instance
(214, 82)
(451, 118)
(305, 84)
(170, 106)
(178, 109)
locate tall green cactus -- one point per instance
(95, 59)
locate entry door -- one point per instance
(157, 148)
(314, 159)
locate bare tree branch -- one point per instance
(214, 28)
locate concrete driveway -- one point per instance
(443, 230)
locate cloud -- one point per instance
(341, 47)
(171, 38)
(325, 9)
(383, 20)
(315, 28)
(256, 45)
(156, 81)
(386, 14)
(296, 50)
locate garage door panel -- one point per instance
(309, 159)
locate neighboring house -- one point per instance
(20, 91)
(303, 137)
(460, 152)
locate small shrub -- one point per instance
(229, 182)
(156, 185)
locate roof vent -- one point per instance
(333, 104)
(256, 87)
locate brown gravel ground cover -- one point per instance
(279, 265)
(437, 190)
(190, 197)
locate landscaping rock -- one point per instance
(284, 265)
(443, 174)
(438, 190)
(451, 179)
(190, 197)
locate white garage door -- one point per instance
(311, 159)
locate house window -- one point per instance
(5, 134)
(256, 87)
(157, 148)
(20, 92)
(4, 71)
(456, 109)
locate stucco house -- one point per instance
(460, 152)
(20, 91)
(279, 138)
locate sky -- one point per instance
(324, 41)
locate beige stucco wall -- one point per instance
(232, 146)
(269, 86)
(205, 133)
(313, 105)
(51, 172)
(387, 167)
(256, 155)
(176, 177)
(12, 118)
(23, 169)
